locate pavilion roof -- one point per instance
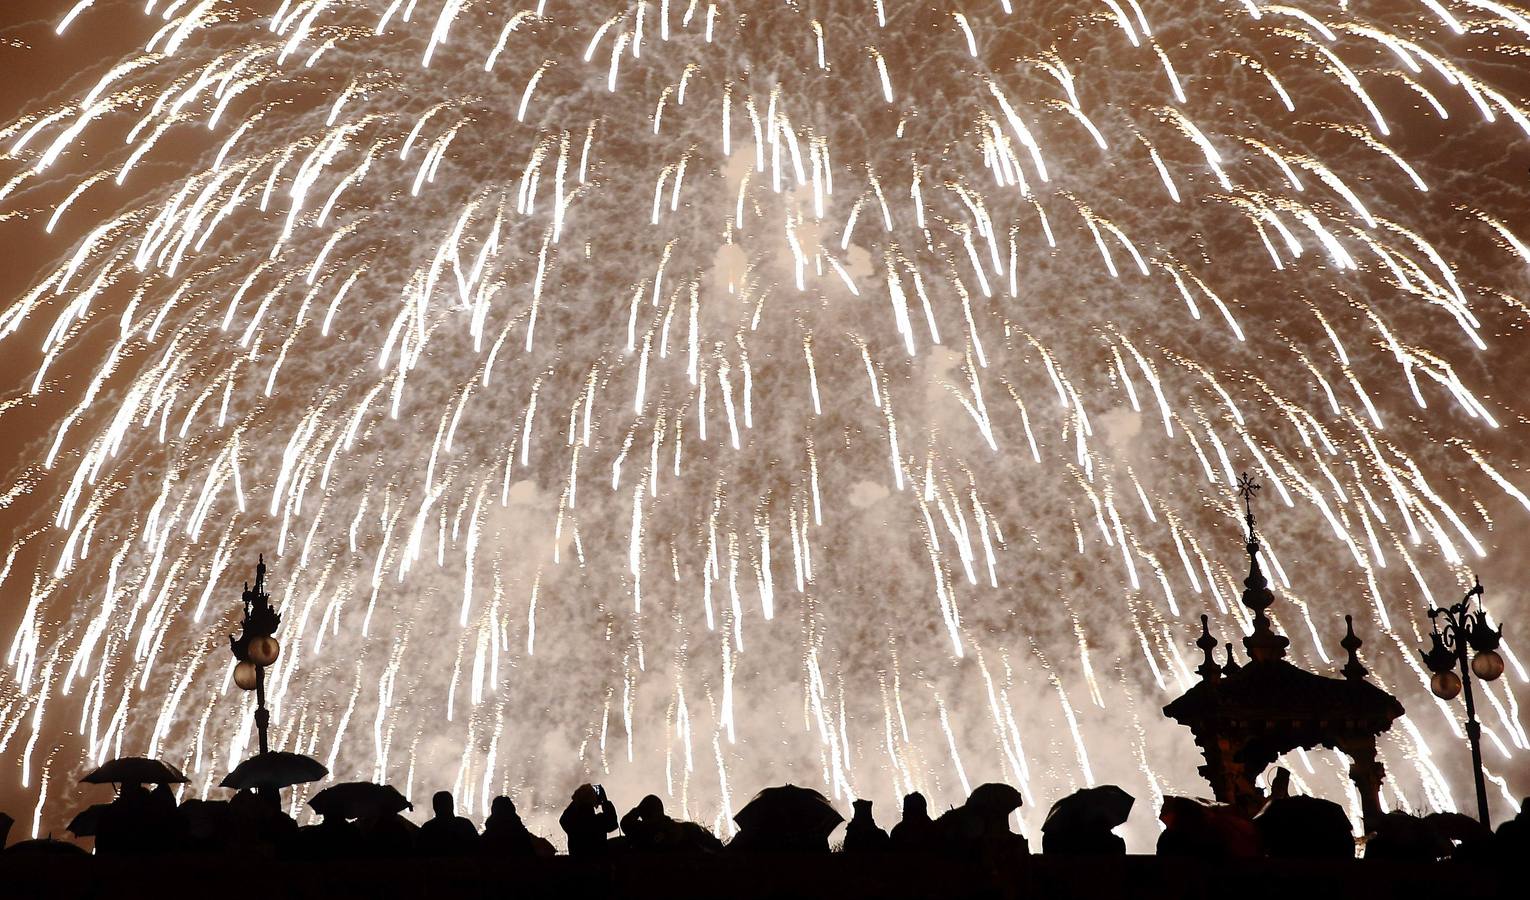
(1276, 695)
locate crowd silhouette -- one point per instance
(358, 820)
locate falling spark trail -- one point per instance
(333, 286)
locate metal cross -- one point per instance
(1247, 486)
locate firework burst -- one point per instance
(705, 394)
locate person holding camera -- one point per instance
(590, 816)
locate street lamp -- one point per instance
(1464, 628)
(255, 648)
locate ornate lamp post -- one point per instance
(255, 648)
(1464, 628)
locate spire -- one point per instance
(1264, 645)
(258, 612)
(1231, 665)
(1208, 669)
(1351, 644)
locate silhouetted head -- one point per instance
(503, 807)
(1181, 811)
(915, 805)
(994, 801)
(584, 795)
(650, 807)
(862, 809)
(443, 805)
(1280, 784)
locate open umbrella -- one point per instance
(1457, 827)
(995, 797)
(88, 821)
(45, 847)
(790, 809)
(1096, 808)
(135, 770)
(1399, 836)
(274, 770)
(358, 799)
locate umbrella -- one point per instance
(136, 770)
(1399, 836)
(995, 797)
(274, 770)
(357, 799)
(1101, 808)
(790, 809)
(88, 822)
(1456, 827)
(45, 847)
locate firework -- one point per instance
(706, 395)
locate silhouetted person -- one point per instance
(448, 834)
(979, 828)
(1082, 842)
(1082, 823)
(206, 825)
(1400, 837)
(332, 838)
(1305, 828)
(917, 831)
(127, 823)
(258, 824)
(1207, 833)
(1186, 833)
(1280, 784)
(1511, 842)
(504, 834)
(173, 832)
(694, 838)
(862, 834)
(647, 827)
(587, 820)
(391, 836)
(786, 818)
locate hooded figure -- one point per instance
(862, 834)
(917, 831)
(980, 827)
(504, 834)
